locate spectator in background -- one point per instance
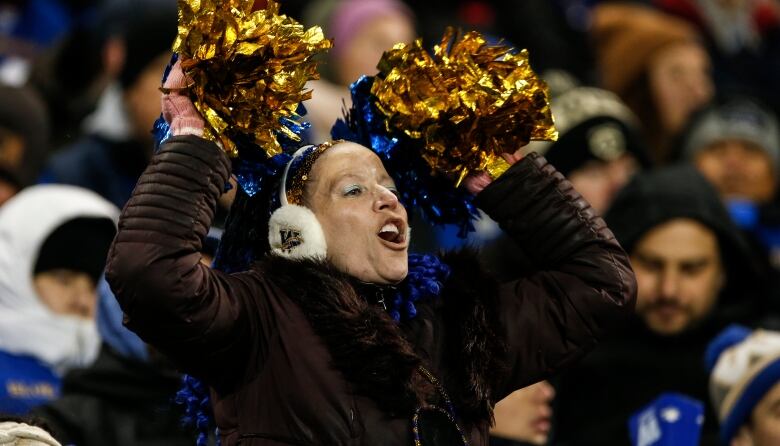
(23, 138)
(523, 417)
(657, 64)
(743, 37)
(694, 277)
(735, 144)
(111, 156)
(745, 385)
(362, 30)
(54, 241)
(123, 398)
(599, 147)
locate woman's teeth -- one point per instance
(389, 228)
(390, 233)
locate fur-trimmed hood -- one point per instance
(378, 356)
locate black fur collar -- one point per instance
(371, 350)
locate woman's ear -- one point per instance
(294, 232)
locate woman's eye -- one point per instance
(394, 191)
(351, 191)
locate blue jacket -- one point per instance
(25, 383)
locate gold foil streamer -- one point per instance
(249, 68)
(469, 102)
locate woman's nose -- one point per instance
(386, 199)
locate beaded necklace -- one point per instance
(448, 410)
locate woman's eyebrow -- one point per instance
(336, 179)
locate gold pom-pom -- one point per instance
(469, 101)
(249, 68)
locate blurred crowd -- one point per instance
(667, 113)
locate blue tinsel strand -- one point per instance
(194, 397)
(435, 196)
(161, 131)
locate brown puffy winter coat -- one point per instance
(294, 355)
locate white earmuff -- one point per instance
(293, 230)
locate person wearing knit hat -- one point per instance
(656, 64)
(736, 144)
(361, 31)
(744, 369)
(599, 147)
(695, 275)
(53, 245)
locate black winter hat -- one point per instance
(593, 125)
(80, 244)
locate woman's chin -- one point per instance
(393, 273)
(391, 270)
(392, 278)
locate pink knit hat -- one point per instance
(349, 16)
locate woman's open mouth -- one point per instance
(393, 232)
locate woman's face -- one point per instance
(356, 202)
(681, 83)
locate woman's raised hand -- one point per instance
(177, 108)
(477, 181)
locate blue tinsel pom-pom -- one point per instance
(424, 281)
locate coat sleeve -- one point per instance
(195, 315)
(582, 284)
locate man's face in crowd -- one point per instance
(679, 274)
(763, 429)
(738, 169)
